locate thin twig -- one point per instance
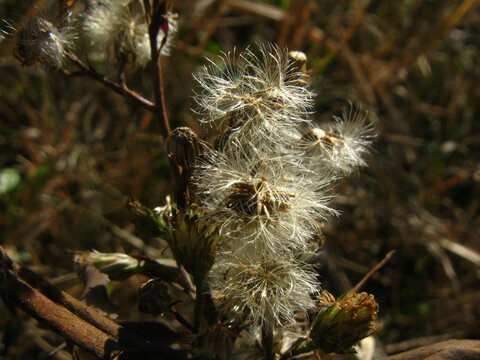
(186, 278)
(181, 319)
(121, 89)
(160, 110)
(371, 272)
(58, 351)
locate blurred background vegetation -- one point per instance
(71, 151)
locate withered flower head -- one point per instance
(184, 147)
(153, 297)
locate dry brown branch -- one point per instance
(118, 88)
(70, 326)
(59, 297)
(77, 323)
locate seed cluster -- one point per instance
(105, 29)
(256, 199)
(268, 182)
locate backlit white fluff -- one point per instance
(268, 182)
(267, 199)
(254, 96)
(120, 27)
(342, 146)
(265, 290)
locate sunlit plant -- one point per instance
(247, 211)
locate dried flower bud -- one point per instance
(343, 323)
(153, 297)
(184, 147)
(299, 64)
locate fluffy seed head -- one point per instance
(342, 146)
(254, 96)
(101, 23)
(40, 41)
(266, 290)
(120, 26)
(262, 198)
(266, 183)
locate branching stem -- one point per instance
(121, 89)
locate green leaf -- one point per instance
(9, 179)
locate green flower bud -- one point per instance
(193, 238)
(117, 266)
(344, 322)
(341, 323)
(147, 220)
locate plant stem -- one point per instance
(267, 342)
(160, 108)
(181, 319)
(121, 89)
(198, 306)
(301, 346)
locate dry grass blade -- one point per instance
(265, 10)
(461, 250)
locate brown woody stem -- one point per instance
(67, 324)
(160, 109)
(76, 322)
(121, 89)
